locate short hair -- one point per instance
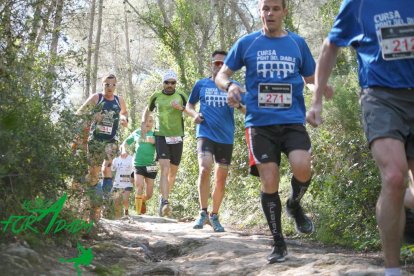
(283, 3)
(219, 52)
(108, 76)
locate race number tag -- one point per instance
(125, 178)
(151, 169)
(397, 42)
(105, 129)
(173, 139)
(275, 95)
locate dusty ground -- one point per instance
(147, 245)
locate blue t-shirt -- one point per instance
(359, 24)
(273, 65)
(218, 124)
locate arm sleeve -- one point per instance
(347, 28)
(308, 62)
(234, 59)
(151, 102)
(130, 139)
(195, 93)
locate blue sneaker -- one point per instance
(214, 222)
(201, 221)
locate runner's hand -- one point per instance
(199, 118)
(98, 117)
(233, 95)
(176, 105)
(124, 121)
(313, 116)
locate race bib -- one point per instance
(275, 95)
(173, 140)
(397, 42)
(151, 168)
(125, 178)
(105, 129)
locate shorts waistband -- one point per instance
(392, 88)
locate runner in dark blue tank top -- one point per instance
(108, 111)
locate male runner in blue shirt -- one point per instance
(278, 63)
(382, 32)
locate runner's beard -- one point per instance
(169, 91)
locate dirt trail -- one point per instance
(147, 245)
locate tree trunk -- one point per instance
(37, 16)
(97, 45)
(56, 29)
(131, 93)
(242, 15)
(54, 45)
(42, 29)
(89, 54)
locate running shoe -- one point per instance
(143, 207)
(215, 223)
(201, 221)
(166, 209)
(303, 224)
(278, 253)
(160, 209)
(138, 204)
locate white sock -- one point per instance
(395, 271)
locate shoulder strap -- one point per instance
(100, 98)
(183, 98)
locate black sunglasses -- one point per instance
(170, 82)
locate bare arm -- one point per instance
(324, 67)
(124, 113)
(144, 119)
(233, 90)
(88, 104)
(190, 110)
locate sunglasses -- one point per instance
(110, 84)
(218, 63)
(170, 82)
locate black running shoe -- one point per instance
(409, 226)
(278, 253)
(303, 224)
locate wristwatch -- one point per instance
(228, 84)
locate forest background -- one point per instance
(53, 53)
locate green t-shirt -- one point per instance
(144, 151)
(168, 120)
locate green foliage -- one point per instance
(346, 182)
(185, 195)
(36, 126)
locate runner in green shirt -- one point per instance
(144, 162)
(168, 105)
